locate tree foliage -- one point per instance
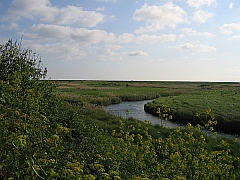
(21, 77)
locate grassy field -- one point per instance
(105, 93)
(108, 92)
(224, 104)
(184, 98)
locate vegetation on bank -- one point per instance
(224, 103)
(48, 133)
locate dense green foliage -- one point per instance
(44, 137)
(26, 103)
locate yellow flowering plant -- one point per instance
(163, 112)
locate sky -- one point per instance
(160, 40)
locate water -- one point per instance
(136, 111)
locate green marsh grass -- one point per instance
(225, 105)
(109, 92)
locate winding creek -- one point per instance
(136, 111)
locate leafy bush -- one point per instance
(30, 128)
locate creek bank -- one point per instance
(229, 127)
(136, 111)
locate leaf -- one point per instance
(53, 173)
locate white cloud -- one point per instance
(197, 47)
(159, 17)
(109, 52)
(198, 3)
(75, 15)
(32, 9)
(230, 5)
(63, 33)
(138, 53)
(9, 26)
(202, 16)
(126, 38)
(153, 39)
(110, 49)
(47, 33)
(63, 51)
(192, 32)
(234, 38)
(72, 51)
(230, 28)
(68, 43)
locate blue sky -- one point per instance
(178, 40)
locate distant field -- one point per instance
(108, 92)
(184, 98)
